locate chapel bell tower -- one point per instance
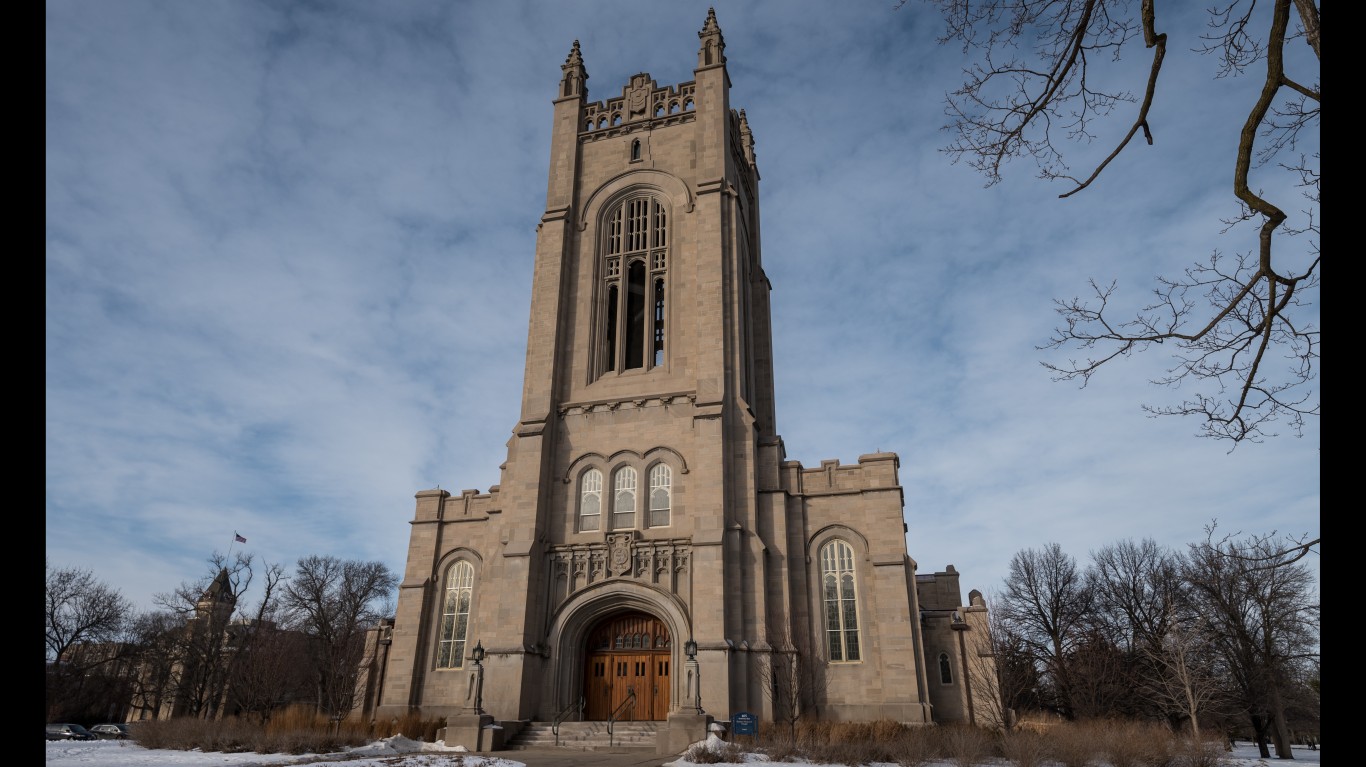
(649, 552)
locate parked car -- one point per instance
(63, 731)
(111, 730)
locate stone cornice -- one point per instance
(626, 403)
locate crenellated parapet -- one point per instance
(439, 505)
(642, 103)
(875, 471)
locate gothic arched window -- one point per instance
(455, 615)
(624, 499)
(661, 494)
(635, 246)
(945, 669)
(841, 601)
(590, 500)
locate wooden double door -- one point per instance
(628, 652)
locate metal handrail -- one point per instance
(560, 717)
(630, 701)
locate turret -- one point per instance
(575, 79)
(713, 47)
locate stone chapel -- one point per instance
(649, 552)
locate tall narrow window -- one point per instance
(611, 335)
(635, 150)
(659, 322)
(635, 315)
(841, 602)
(455, 615)
(945, 669)
(635, 249)
(590, 501)
(624, 499)
(660, 478)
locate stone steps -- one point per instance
(587, 736)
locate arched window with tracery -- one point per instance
(624, 499)
(841, 601)
(661, 494)
(455, 615)
(590, 501)
(635, 249)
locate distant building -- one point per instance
(215, 665)
(646, 499)
(182, 679)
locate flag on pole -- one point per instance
(239, 538)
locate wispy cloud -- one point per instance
(289, 265)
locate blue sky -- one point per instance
(288, 269)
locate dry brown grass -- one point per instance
(966, 745)
(782, 750)
(1077, 744)
(1042, 742)
(1136, 744)
(849, 743)
(1084, 744)
(295, 730)
(409, 726)
(1023, 748)
(1207, 752)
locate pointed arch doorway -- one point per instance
(628, 651)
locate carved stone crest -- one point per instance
(638, 97)
(619, 554)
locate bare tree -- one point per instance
(156, 637)
(206, 647)
(333, 602)
(1302, 710)
(1029, 91)
(1048, 605)
(1100, 678)
(1139, 595)
(1284, 551)
(1186, 679)
(1138, 589)
(80, 609)
(273, 675)
(793, 679)
(85, 618)
(266, 669)
(1000, 681)
(1019, 676)
(1263, 622)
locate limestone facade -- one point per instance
(645, 482)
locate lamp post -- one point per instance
(694, 674)
(477, 655)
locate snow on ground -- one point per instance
(399, 751)
(381, 753)
(1244, 755)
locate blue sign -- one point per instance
(744, 723)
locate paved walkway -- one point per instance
(564, 757)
